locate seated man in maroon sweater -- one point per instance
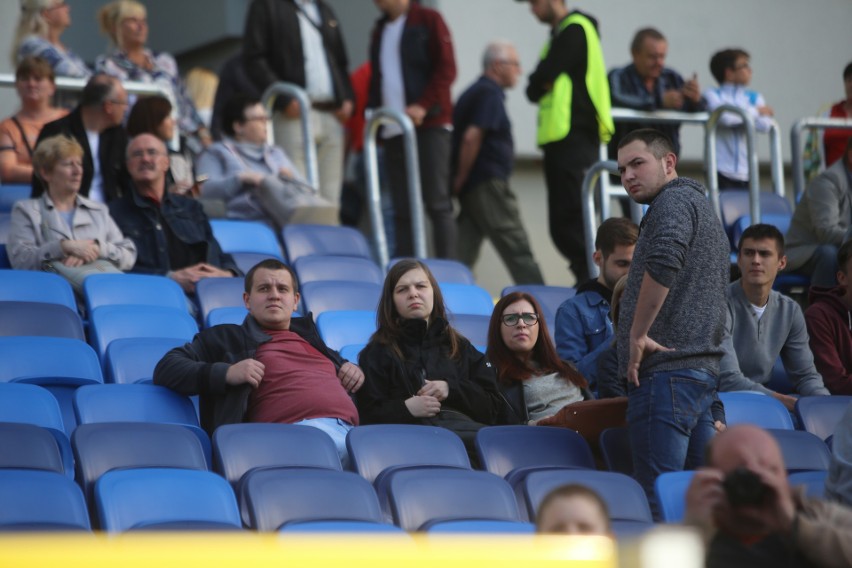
(272, 368)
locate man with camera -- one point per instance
(751, 515)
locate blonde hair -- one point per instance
(201, 85)
(30, 23)
(111, 15)
(51, 150)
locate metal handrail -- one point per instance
(816, 123)
(710, 160)
(292, 90)
(375, 118)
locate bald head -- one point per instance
(745, 446)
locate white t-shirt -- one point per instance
(96, 190)
(393, 89)
(758, 311)
(318, 82)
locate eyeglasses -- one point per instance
(150, 152)
(512, 320)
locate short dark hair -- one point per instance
(844, 253)
(572, 490)
(147, 114)
(847, 71)
(270, 264)
(658, 143)
(616, 231)
(235, 111)
(642, 35)
(724, 60)
(34, 66)
(98, 90)
(762, 231)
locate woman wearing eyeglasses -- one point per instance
(417, 368)
(534, 380)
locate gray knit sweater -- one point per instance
(683, 247)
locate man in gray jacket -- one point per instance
(763, 324)
(672, 311)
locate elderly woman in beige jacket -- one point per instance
(62, 225)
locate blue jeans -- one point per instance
(669, 421)
(337, 430)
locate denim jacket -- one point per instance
(583, 331)
(139, 220)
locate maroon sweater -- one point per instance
(829, 324)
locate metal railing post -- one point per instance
(710, 153)
(375, 119)
(292, 90)
(776, 159)
(816, 123)
(589, 213)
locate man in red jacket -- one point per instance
(829, 321)
(411, 53)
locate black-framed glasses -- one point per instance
(512, 320)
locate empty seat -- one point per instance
(346, 327)
(12, 193)
(489, 527)
(133, 360)
(549, 297)
(423, 498)
(445, 270)
(513, 451)
(165, 499)
(353, 268)
(233, 315)
(215, 293)
(474, 327)
(245, 236)
(116, 322)
(820, 415)
(324, 296)
(615, 449)
(802, 451)
(40, 319)
(41, 501)
(467, 299)
(670, 488)
(277, 497)
(747, 407)
(132, 289)
(25, 446)
(305, 240)
(33, 286)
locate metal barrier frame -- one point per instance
(815, 123)
(375, 118)
(292, 90)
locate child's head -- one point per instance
(731, 66)
(573, 509)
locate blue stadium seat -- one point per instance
(474, 327)
(215, 293)
(802, 451)
(734, 204)
(4, 257)
(165, 499)
(748, 407)
(482, 527)
(353, 268)
(277, 497)
(445, 271)
(132, 360)
(549, 297)
(346, 327)
(467, 299)
(40, 319)
(820, 415)
(11, 193)
(132, 289)
(670, 488)
(812, 481)
(423, 498)
(41, 501)
(235, 315)
(108, 323)
(319, 297)
(25, 446)
(245, 236)
(351, 352)
(33, 286)
(615, 449)
(625, 498)
(247, 260)
(306, 240)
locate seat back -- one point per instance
(474, 327)
(802, 451)
(34, 286)
(615, 448)
(346, 327)
(325, 267)
(812, 481)
(133, 403)
(41, 501)
(132, 289)
(4, 257)
(233, 315)
(40, 319)
(670, 488)
(245, 236)
(215, 293)
(116, 322)
(305, 240)
(47, 356)
(352, 352)
(12, 193)
(378, 447)
(132, 360)
(467, 299)
(163, 499)
(747, 407)
(820, 415)
(25, 446)
(502, 449)
(735, 203)
(444, 270)
(245, 261)
(422, 497)
(330, 295)
(280, 496)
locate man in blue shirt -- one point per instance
(483, 153)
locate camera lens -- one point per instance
(743, 487)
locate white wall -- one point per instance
(798, 49)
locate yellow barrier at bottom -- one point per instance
(255, 550)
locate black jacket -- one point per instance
(111, 150)
(389, 381)
(516, 407)
(272, 47)
(199, 368)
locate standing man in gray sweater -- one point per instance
(672, 312)
(763, 324)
